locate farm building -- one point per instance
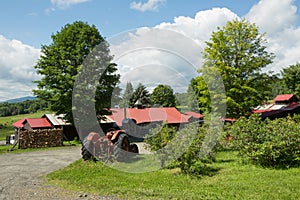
(31, 124)
(138, 121)
(49, 130)
(36, 133)
(142, 116)
(58, 121)
(283, 105)
(194, 116)
(36, 123)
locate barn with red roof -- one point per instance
(32, 124)
(49, 130)
(169, 115)
(283, 105)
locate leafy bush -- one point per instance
(268, 143)
(201, 150)
(190, 148)
(225, 141)
(158, 138)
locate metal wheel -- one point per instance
(121, 148)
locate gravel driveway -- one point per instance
(21, 175)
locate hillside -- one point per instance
(17, 100)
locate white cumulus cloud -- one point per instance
(169, 53)
(16, 66)
(66, 3)
(150, 5)
(273, 16)
(278, 19)
(202, 25)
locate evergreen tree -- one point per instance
(127, 95)
(140, 95)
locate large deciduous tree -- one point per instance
(291, 79)
(62, 60)
(238, 52)
(163, 95)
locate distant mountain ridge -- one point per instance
(21, 99)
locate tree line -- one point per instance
(162, 95)
(25, 107)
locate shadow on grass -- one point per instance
(134, 158)
(225, 160)
(210, 171)
(129, 159)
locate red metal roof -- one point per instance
(194, 114)
(146, 115)
(292, 106)
(259, 111)
(228, 120)
(38, 123)
(19, 124)
(33, 123)
(283, 97)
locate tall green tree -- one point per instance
(140, 94)
(163, 95)
(277, 87)
(74, 46)
(291, 79)
(127, 94)
(238, 52)
(181, 99)
(198, 96)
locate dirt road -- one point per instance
(21, 175)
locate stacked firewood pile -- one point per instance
(40, 138)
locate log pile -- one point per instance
(40, 138)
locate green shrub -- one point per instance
(200, 152)
(158, 138)
(268, 143)
(190, 148)
(225, 140)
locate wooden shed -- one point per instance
(58, 121)
(36, 133)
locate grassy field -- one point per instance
(231, 179)
(6, 127)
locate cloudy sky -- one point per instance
(154, 41)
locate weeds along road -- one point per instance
(21, 173)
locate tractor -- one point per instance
(115, 144)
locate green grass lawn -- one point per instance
(231, 180)
(6, 127)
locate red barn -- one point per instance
(284, 105)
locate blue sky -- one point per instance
(180, 27)
(33, 21)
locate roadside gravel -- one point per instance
(21, 175)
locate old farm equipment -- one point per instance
(115, 144)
